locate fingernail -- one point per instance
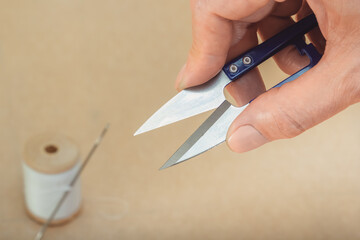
(180, 82)
(246, 138)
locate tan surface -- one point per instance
(71, 66)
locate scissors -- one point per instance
(195, 100)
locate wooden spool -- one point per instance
(50, 154)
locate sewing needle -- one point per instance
(97, 142)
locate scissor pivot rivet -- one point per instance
(233, 68)
(247, 60)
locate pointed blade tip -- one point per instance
(167, 165)
(162, 168)
(141, 130)
(146, 127)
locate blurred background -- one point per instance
(71, 66)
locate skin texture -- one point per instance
(223, 29)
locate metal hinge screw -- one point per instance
(247, 60)
(233, 68)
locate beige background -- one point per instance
(71, 66)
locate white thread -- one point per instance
(43, 191)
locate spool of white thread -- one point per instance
(50, 163)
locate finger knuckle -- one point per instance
(288, 125)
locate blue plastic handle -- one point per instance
(255, 56)
(313, 55)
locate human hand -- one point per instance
(223, 29)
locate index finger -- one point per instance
(213, 35)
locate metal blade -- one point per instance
(188, 103)
(211, 133)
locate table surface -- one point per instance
(72, 66)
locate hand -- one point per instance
(223, 29)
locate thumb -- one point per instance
(288, 111)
